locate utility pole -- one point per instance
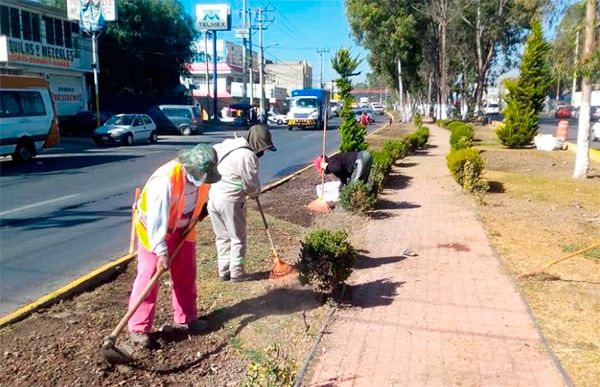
(321, 51)
(251, 64)
(261, 65)
(215, 94)
(95, 66)
(207, 74)
(582, 158)
(244, 60)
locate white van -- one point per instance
(28, 121)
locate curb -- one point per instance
(105, 272)
(594, 153)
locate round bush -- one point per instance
(465, 165)
(358, 198)
(326, 260)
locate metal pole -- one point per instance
(261, 69)
(251, 65)
(215, 99)
(95, 66)
(244, 60)
(207, 74)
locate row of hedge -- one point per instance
(465, 162)
(360, 197)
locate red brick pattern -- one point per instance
(449, 316)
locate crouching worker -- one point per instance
(238, 166)
(172, 199)
(348, 167)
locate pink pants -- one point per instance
(183, 277)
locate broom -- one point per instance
(280, 267)
(319, 204)
(552, 263)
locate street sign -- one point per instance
(242, 33)
(213, 17)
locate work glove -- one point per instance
(164, 261)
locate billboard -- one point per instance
(213, 17)
(92, 14)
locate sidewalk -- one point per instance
(449, 316)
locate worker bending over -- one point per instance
(348, 167)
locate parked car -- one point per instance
(181, 119)
(595, 113)
(83, 122)
(596, 131)
(126, 129)
(564, 112)
(277, 119)
(377, 108)
(28, 121)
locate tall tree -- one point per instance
(582, 159)
(145, 50)
(353, 134)
(526, 95)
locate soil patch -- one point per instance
(536, 213)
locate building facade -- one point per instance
(38, 40)
(290, 75)
(230, 76)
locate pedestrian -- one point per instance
(348, 167)
(364, 119)
(238, 166)
(172, 199)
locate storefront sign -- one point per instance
(25, 51)
(213, 17)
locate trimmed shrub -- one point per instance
(422, 137)
(442, 123)
(382, 164)
(418, 120)
(326, 260)
(466, 166)
(455, 124)
(459, 131)
(397, 149)
(412, 142)
(358, 197)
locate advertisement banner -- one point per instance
(92, 14)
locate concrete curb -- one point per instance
(594, 153)
(105, 272)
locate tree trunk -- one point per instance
(444, 66)
(582, 159)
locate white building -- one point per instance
(230, 76)
(290, 75)
(39, 40)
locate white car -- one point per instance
(377, 108)
(491, 108)
(277, 119)
(126, 129)
(596, 131)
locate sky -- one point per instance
(299, 28)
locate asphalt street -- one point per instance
(69, 211)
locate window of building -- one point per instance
(58, 32)
(15, 23)
(35, 27)
(75, 28)
(26, 19)
(49, 24)
(4, 21)
(68, 41)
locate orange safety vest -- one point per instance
(174, 172)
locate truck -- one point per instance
(308, 108)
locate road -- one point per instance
(549, 125)
(70, 211)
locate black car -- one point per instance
(83, 122)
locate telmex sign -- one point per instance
(213, 17)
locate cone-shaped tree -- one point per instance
(526, 95)
(353, 134)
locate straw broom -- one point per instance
(319, 204)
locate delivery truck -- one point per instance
(308, 108)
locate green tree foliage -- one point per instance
(526, 95)
(353, 134)
(391, 30)
(144, 51)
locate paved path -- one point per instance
(449, 316)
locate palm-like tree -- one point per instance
(344, 64)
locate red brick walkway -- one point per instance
(449, 316)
